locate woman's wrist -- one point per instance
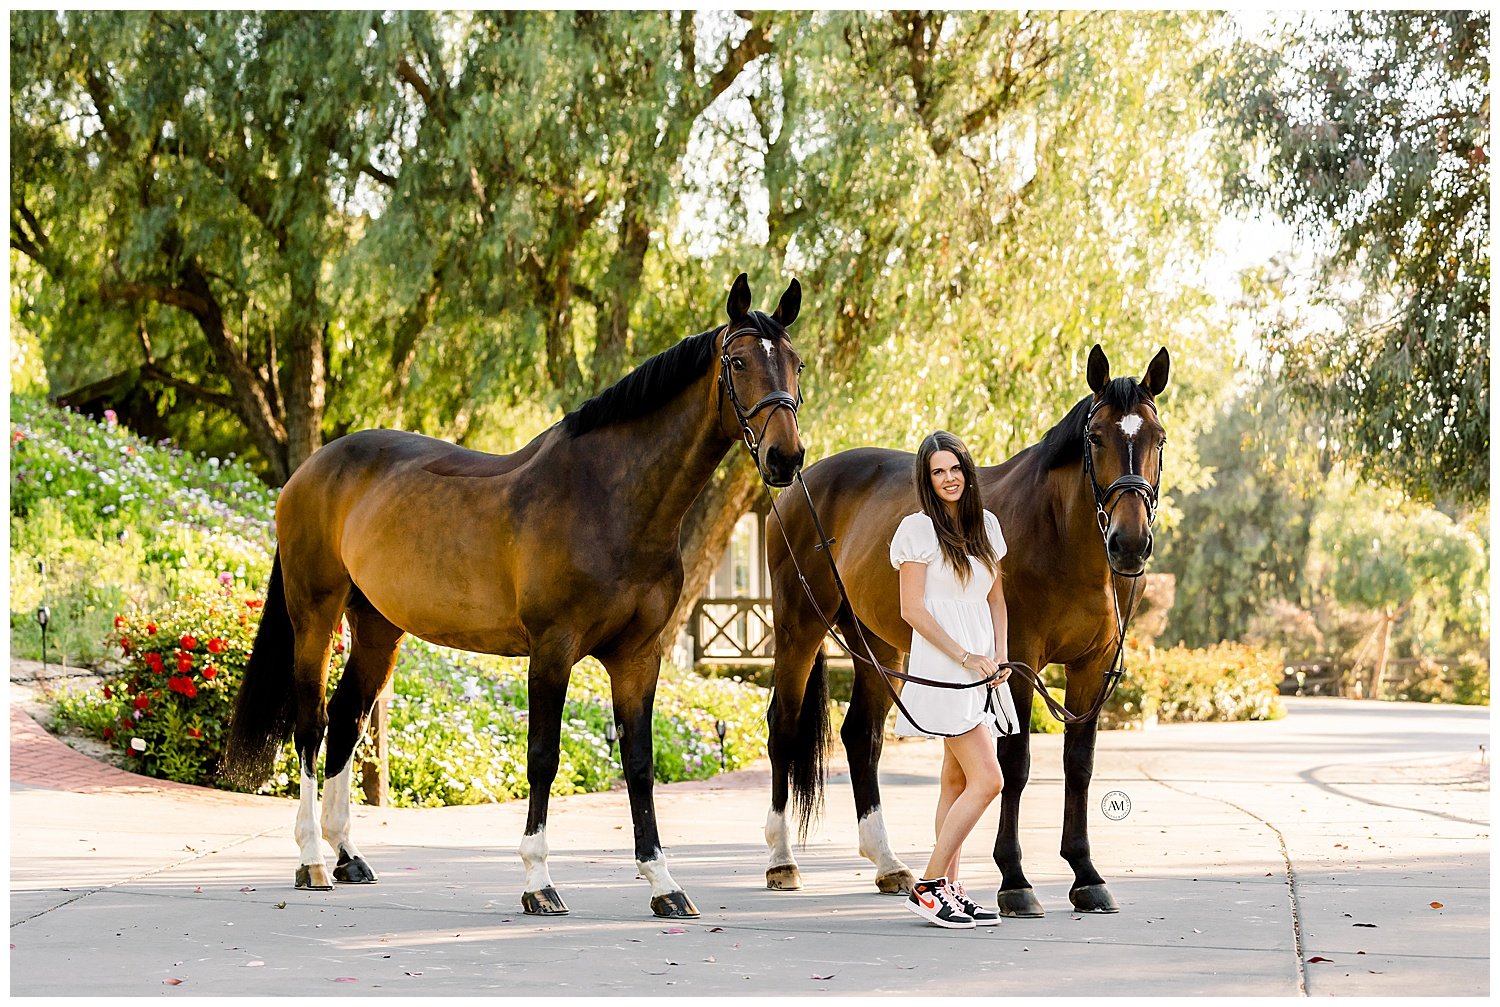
(964, 661)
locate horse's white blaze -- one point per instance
(770, 349)
(779, 839)
(534, 857)
(306, 831)
(875, 845)
(655, 871)
(1131, 425)
(336, 813)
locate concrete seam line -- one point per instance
(145, 874)
(1291, 878)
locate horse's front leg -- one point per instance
(547, 687)
(1016, 897)
(632, 683)
(1088, 894)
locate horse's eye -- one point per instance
(737, 363)
(801, 368)
(1095, 439)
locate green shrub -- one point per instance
(1228, 681)
(167, 708)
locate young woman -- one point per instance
(949, 557)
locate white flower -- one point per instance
(138, 744)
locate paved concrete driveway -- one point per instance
(1303, 855)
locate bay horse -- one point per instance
(566, 548)
(1054, 510)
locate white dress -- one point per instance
(963, 610)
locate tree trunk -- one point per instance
(1387, 619)
(707, 529)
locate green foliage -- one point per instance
(1375, 131)
(118, 521)
(167, 709)
(1180, 685)
(1375, 551)
(1242, 541)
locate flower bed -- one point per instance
(457, 721)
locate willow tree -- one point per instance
(177, 178)
(1374, 130)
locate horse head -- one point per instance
(759, 387)
(1123, 458)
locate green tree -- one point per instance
(1242, 541)
(1374, 129)
(1394, 558)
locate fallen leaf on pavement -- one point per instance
(281, 905)
(1317, 958)
(675, 930)
(247, 888)
(171, 982)
(829, 976)
(346, 979)
(716, 930)
(197, 891)
(1366, 924)
(413, 973)
(1435, 905)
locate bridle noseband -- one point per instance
(772, 402)
(1107, 499)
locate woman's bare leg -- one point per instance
(975, 754)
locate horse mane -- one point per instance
(1063, 444)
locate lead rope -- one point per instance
(1058, 710)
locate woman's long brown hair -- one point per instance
(967, 537)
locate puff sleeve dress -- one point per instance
(963, 611)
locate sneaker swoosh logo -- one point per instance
(928, 901)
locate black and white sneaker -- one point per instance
(983, 916)
(935, 902)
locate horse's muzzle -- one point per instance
(779, 467)
(1128, 553)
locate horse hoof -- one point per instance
(1019, 903)
(314, 877)
(674, 906)
(895, 883)
(785, 878)
(1093, 899)
(543, 903)
(354, 871)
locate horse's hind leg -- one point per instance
(314, 620)
(374, 643)
(863, 735)
(791, 741)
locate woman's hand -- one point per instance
(985, 666)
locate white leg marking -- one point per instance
(779, 839)
(336, 814)
(534, 856)
(655, 871)
(875, 846)
(306, 832)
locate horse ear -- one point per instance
(1098, 369)
(791, 303)
(739, 298)
(1156, 374)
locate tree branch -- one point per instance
(373, 172)
(151, 372)
(161, 294)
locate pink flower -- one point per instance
(110, 417)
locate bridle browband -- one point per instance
(772, 402)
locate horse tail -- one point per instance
(265, 708)
(809, 755)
